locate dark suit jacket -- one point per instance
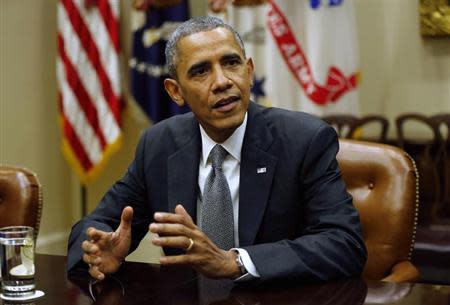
(296, 220)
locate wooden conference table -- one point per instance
(139, 283)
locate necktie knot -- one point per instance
(218, 154)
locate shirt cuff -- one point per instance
(252, 273)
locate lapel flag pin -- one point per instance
(261, 170)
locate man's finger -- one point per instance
(167, 217)
(177, 260)
(180, 216)
(126, 218)
(181, 242)
(180, 210)
(91, 259)
(95, 234)
(89, 247)
(169, 229)
(95, 272)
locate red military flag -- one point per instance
(88, 77)
(305, 52)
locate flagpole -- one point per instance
(83, 200)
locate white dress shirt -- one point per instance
(231, 170)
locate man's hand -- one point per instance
(105, 251)
(176, 230)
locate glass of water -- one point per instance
(17, 262)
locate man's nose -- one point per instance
(221, 80)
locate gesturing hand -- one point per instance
(176, 231)
(105, 251)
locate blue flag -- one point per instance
(148, 64)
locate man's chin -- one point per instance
(223, 129)
(233, 121)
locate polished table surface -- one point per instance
(139, 283)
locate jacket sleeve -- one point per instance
(129, 191)
(331, 244)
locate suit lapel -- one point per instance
(257, 171)
(182, 170)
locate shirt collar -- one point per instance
(233, 145)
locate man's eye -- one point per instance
(198, 71)
(233, 62)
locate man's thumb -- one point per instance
(126, 218)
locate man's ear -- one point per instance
(173, 89)
(250, 67)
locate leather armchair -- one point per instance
(20, 198)
(383, 181)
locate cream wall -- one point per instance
(401, 72)
(29, 133)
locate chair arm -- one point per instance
(403, 271)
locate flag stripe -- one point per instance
(107, 50)
(115, 11)
(110, 21)
(82, 98)
(77, 119)
(89, 45)
(75, 143)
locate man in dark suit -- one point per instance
(291, 215)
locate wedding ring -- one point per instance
(190, 245)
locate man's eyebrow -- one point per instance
(231, 56)
(197, 66)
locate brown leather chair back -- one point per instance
(383, 182)
(20, 198)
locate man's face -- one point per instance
(214, 79)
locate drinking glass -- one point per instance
(17, 262)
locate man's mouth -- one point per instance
(226, 104)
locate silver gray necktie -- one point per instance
(217, 208)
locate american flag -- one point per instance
(89, 83)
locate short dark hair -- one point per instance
(192, 26)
